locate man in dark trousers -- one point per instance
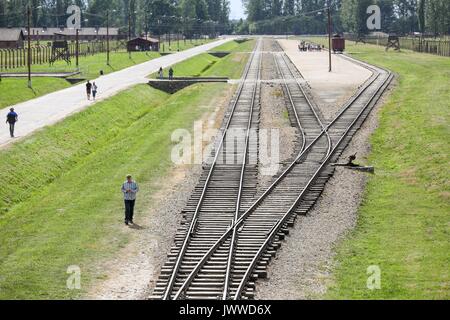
(12, 118)
(170, 73)
(129, 190)
(88, 90)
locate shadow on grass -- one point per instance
(34, 92)
(136, 226)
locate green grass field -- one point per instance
(90, 66)
(182, 45)
(246, 46)
(62, 205)
(404, 220)
(204, 64)
(13, 91)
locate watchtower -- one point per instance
(60, 51)
(393, 42)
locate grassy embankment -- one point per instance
(61, 205)
(182, 45)
(234, 46)
(208, 65)
(403, 224)
(15, 90)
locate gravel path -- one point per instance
(303, 265)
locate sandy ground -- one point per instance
(330, 89)
(132, 272)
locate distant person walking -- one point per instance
(161, 73)
(88, 90)
(129, 190)
(12, 118)
(170, 73)
(94, 90)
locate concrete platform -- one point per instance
(330, 90)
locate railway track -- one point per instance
(228, 182)
(237, 248)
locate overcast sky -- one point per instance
(237, 10)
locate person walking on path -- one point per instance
(12, 118)
(94, 90)
(161, 73)
(129, 190)
(170, 73)
(88, 90)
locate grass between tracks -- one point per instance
(60, 203)
(403, 225)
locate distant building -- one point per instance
(141, 44)
(11, 38)
(84, 34)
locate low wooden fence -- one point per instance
(41, 54)
(439, 47)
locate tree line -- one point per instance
(156, 16)
(308, 16)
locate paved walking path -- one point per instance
(51, 108)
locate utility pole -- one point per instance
(29, 45)
(329, 37)
(107, 37)
(178, 34)
(129, 28)
(146, 25)
(77, 50)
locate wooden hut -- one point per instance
(141, 44)
(11, 38)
